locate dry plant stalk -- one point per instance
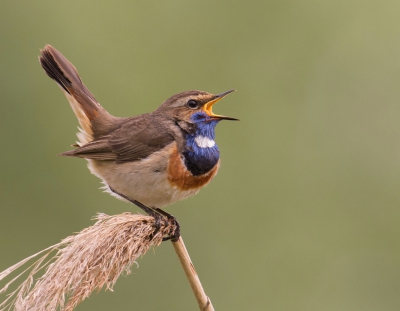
(202, 299)
(79, 264)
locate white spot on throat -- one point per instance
(204, 142)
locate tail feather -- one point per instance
(85, 106)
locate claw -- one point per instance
(177, 232)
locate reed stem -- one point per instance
(202, 299)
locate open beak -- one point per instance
(207, 108)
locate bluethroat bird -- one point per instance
(151, 160)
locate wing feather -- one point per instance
(135, 139)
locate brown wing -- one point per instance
(139, 137)
(135, 139)
(98, 149)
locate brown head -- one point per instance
(182, 106)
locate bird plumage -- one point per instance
(155, 158)
(202, 153)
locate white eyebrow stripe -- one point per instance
(204, 142)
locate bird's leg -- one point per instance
(173, 236)
(159, 216)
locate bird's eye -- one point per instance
(193, 104)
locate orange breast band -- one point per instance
(179, 176)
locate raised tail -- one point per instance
(94, 120)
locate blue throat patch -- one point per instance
(201, 154)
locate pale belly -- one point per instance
(151, 181)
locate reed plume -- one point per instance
(92, 259)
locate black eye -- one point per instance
(193, 104)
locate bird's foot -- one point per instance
(159, 221)
(176, 227)
(175, 232)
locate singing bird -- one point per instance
(151, 160)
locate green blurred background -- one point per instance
(305, 212)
